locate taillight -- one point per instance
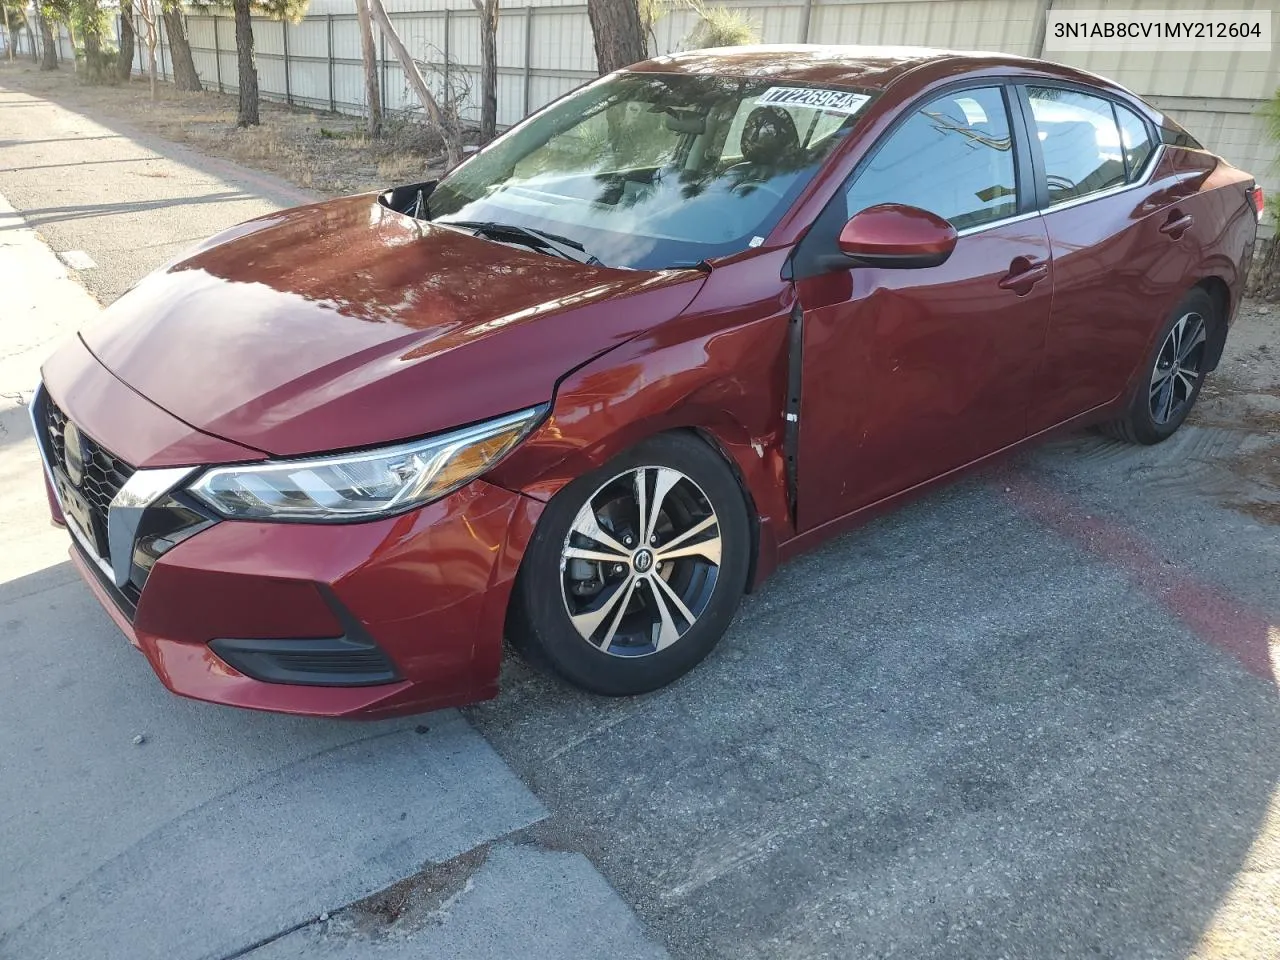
(1257, 201)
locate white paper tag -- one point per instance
(817, 98)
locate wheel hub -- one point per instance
(1178, 368)
(640, 561)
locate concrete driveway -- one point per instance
(1033, 715)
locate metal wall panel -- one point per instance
(1247, 76)
(268, 37)
(464, 37)
(310, 83)
(346, 37)
(310, 38)
(562, 41)
(1008, 26)
(348, 87)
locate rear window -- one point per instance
(1079, 140)
(1135, 137)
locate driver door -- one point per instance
(908, 374)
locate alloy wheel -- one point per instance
(1177, 368)
(640, 562)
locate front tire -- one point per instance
(635, 570)
(1174, 374)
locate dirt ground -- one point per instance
(317, 150)
(1243, 395)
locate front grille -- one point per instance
(162, 526)
(104, 473)
(125, 599)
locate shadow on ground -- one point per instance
(39, 216)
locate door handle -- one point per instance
(1177, 224)
(1024, 273)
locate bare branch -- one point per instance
(453, 152)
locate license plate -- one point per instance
(75, 507)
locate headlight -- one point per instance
(367, 483)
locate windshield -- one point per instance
(652, 171)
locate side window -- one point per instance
(1136, 139)
(1079, 141)
(952, 157)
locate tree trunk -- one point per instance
(93, 56)
(93, 22)
(71, 34)
(124, 61)
(184, 67)
(247, 116)
(31, 35)
(452, 148)
(147, 10)
(8, 33)
(1264, 279)
(488, 10)
(96, 67)
(618, 33)
(49, 58)
(369, 54)
(152, 38)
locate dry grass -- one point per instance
(317, 150)
(399, 169)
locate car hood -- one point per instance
(345, 324)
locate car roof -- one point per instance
(852, 66)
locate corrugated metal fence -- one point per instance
(545, 49)
(316, 62)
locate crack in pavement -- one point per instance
(272, 938)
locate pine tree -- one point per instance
(247, 68)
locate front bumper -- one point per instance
(430, 589)
(393, 616)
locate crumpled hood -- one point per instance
(345, 324)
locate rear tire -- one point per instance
(1173, 374)
(635, 570)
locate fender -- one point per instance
(1213, 267)
(700, 371)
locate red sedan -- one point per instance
(603, 377)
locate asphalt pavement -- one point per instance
(1032, 715)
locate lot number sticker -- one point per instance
(836, 101)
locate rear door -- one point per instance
(1122, 227)
(910, 373)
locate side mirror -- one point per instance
(896, 235)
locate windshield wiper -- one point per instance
(537, 239)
